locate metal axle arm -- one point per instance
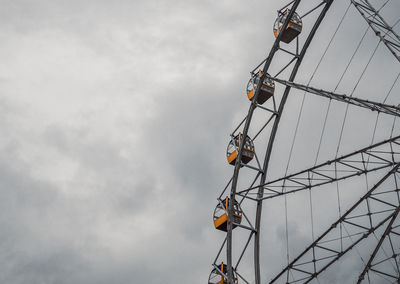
(373, 158)
(374, 106)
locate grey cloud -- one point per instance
(116, 118)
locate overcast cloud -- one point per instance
(115, 117)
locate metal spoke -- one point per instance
(374, 106)
(382, 29)
(303, 257)
(335, 170)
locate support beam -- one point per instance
(253, 106)
(373, 255)
(373, 158)
(382, 29)
(374, 106)
(274, 130)
(325, 251)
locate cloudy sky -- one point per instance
(115, 117)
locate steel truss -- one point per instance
(376, 157)
(274, 113)
(374, 106)
(357, 224)
(382, 29)
(392, 237)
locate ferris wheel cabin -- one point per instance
(232, 151)
(267, 88)
(217, 275)
(292, 30)
(221, 216)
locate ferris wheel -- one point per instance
(356, 192)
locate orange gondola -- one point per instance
(218, 275)
(233, 149)
(267, 88)
(292, 30)
(221, 216)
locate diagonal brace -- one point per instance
(379, 25)
(384, 235)
(334, 225)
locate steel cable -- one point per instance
(295, 135)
